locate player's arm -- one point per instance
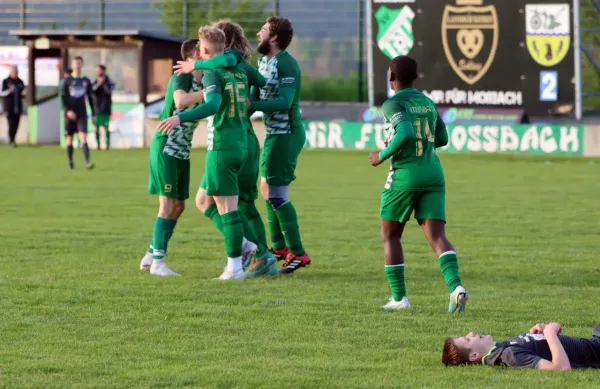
(560, 360)
(221, 61)
(213, 99)
(65, 96)
(254, 76)
(441, 133)
(288, 82)
(90, 94)
(182, 97)
(5, 89)
(404, 130)
(109, 86)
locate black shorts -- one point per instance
(74, 126)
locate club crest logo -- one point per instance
(470, 38)
(548, 28)
(395, 33)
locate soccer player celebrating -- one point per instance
(225, 94)
(238, 53)
(543, 348)
(170, 163)
(102, 89)
(415, 183)
(279, 100)
(74, 91)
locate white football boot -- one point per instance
(458, 300)
(160, 268)
(229, 275)
(146, 262)
(394, 305)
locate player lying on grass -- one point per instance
(279, 100)
(170, 163)
(226, 93)
(415, 183)
(543, 348)
(238, 52)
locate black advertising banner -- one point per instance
(477, 53)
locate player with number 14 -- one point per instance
(415, 183)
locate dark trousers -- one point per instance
(13, 126)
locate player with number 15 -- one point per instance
(415, 183)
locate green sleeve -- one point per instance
(183, 82)
(288, 82)
(441, 133)
(404, 133)
(254, 76)
(221, 61)
(212, 98)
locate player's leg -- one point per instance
(430, 211)
(104, 124)
(169, 178)
(82, 127)
(254, 230)
(283, 166)
(221, 180)
(97, 130)
(70, 131)
(395, 210)
(278, 246)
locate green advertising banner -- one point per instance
(531, 139)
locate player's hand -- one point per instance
(184, 67)
(538, 328)
(552, 329)
(71, 115)
(166, 126)
(374, 158)
(11, 89)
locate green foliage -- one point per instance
(250, 14)
(332, 88)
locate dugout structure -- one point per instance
(139, 62)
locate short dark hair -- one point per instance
(69, 71)
(102, 67)
(78, 58)
(188, 47)
(404, 70)
(281, 27)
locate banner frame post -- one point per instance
(371, 86)
(577, 59)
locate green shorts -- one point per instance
(102, 120)
(280, 157)
(169, 176)
(248, 177)
(221, 172)
(397, 206)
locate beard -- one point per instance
(264, 47)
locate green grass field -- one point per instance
(75, 311)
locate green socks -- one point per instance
(234, 233)
(449, 266)
(107, 139)
(255, 225)
(98, 138)
(150, 249)
(213, 214)
(163, 230)
(277, 239)
(395, 277)
(289, 223)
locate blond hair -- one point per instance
(214, 37)
(234, 37)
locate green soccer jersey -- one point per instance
(281, 92)
(227, 129)
(415, 164)
(179, 142)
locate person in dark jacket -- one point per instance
(13, 90)
(74, 91)
(102, 90)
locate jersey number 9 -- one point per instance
(418, 125)
(237, 96)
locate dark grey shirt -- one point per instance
(529, 349)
